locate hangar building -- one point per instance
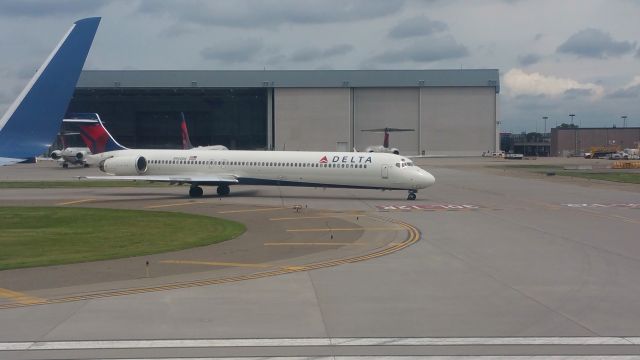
(453, 112)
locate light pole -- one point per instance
(624, 120)
(545, 123)
(572, 115)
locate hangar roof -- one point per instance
(286, 78)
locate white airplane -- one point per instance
(33, 119)
(69, 155)
(236, 167)
(384, 148)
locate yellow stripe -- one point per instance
(75, 202)
(249, 210)
(349, 229)
(312, 217)
(310, 244)
(214, 263)
(20, 298)
(176, 204)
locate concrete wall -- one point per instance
(312, 119)
(387, 107)
(457, 120)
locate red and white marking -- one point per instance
(428, 207)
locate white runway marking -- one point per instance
(453, 357)
(206, 343)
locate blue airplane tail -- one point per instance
(32, 121)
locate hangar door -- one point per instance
(458, 121)
(386, 107)
(312, 119)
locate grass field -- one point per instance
(615, 175)
(75, 184)
(41, 236)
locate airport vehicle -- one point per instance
(199, 167)
(384, 148)
(186, 142)
(598, 152)
(33, 119)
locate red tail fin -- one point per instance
(386, 139)
(186, 143)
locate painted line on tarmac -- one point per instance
(20, 298)
(413, 235)
(215, 263)
(410, 357)
(75, 202)
(313, 217)
(311, 244)
(348, 229)
(250, 210)
(318, 342)
(176, 204)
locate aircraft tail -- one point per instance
(385, 143)
(186, 143)
(32, 121)
(95, 135)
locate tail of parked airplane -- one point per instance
(94, 134)
(186, 143)
(32, 121)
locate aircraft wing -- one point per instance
(9, 161)
(198, 179)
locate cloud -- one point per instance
(417, 26)
(426, 50)
(528, 59)
(309, 54)
(517, 82)
(631, 90)
(236, 51)
(37, 8)
(270, 13)
(594, 43)
(578, 93)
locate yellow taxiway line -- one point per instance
(348, 229)
(75, 202)
(311, 244)
(312, 217)
(176, 204)
(214, 263)
(413, 237)
(20, 298)
(249, 210)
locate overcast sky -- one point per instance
(554, 57)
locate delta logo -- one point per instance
(347, 159)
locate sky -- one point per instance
(555, 58)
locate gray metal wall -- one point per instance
(312, 118)
(457, 120)
(453, 121)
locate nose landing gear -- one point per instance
(412, 195)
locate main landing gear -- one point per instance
(223, 190)
(195, 191)
(412, 195)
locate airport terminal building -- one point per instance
(453, 112)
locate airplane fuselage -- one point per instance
(285, 168)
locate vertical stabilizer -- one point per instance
(32, 121)
(95, 136)
(186, 143)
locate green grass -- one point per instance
(621, 176)
(631, 178)
(75, 184)
(42, 236)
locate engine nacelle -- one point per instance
(56, 154)
(79, 155)
(124, 165)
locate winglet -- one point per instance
(32, 121)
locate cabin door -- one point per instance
(385, 171)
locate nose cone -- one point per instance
(425, 179)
